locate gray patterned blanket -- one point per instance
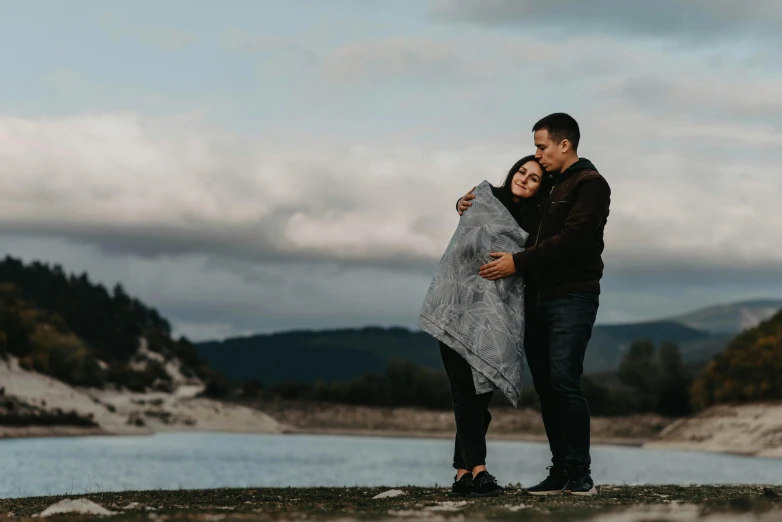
(482, 320)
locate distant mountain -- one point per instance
(609, 341)
(337, 355)
(307, 356)
(730, 318)
(703, 350)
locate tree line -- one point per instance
(748, 370)
(648, 381)
(79, 332)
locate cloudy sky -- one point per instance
(256, 166)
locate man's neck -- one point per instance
(568, 163)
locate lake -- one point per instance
(49, 466)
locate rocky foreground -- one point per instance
(613, 504)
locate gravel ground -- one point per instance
(613, 504)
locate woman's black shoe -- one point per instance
(485, 485)
(462, 487)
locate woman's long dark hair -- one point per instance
(506, 185)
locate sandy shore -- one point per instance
(507, 423)
(521, 437)
(125, 413)
(750, 429)
(15, 432)
(753, 429)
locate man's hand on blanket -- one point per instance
(502, 267)
(464, 202)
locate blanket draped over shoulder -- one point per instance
(482, 320)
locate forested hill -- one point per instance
(343, 354)
(749, 370)
(78, 331)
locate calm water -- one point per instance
(187, 461)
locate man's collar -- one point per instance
(565, 173)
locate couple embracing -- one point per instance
(521, 274)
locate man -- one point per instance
(564, 266)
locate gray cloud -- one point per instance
(168, 187)
(717, 85)
(231, 234)
(243, 41)
(337, 211)
(207, 297)
(427, 60)
(473, 60)
(245, 245)
(157, 36)
(157, 188)
(707, 96)
(691, 20)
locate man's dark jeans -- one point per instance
(557, 333)
(470, 410)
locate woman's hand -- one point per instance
(464, 202)
(502, 267)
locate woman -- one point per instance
(524, 203)
(474, 371)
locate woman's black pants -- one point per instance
(470, 410)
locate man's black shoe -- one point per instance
(551, 485)
(485, 485)
(582, 486)
(462, 487)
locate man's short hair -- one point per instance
(560, 126)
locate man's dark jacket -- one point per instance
(564, 254)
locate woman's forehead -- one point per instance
(524, 167)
